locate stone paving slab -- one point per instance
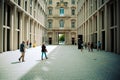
(65, 62)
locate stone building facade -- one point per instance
(99, 20)
(62, 19)
(22, 20)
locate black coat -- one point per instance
(43, 48)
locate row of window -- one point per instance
(61, 24)
(61, 11)
(72, 2)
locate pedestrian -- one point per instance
(80, 44)
(44, 50)
(22, 50)
(27, 43)
(91, 46)
(85, 45)
(30, 45)
(88, 46)
(99, 45)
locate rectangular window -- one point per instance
(31, 2)
(19, 2)
(31, 10)
(50, 1)
(8, 15)
(18, 20)
(50, 24)
(102, 19)
(61, 23)
(61, 11)
(73, 12)
(112, 15)
(72, 1)
(50, 11)
(25, 5)
(72, 24)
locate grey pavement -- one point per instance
(65, 62)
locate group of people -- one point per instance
(22, 50)
(29, 44)
(88, 45)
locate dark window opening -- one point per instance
(8, 15)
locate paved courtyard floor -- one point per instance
(65, 62)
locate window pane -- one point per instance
(73, 12)
(73, 1)
(61, 11)
(50, 11)
(50, 24)
(72, 24)
(61, 23)
(50, 1)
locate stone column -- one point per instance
(12, 28)
(1, 24)
(118, 25)
(106, 29)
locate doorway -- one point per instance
(73, 41)
(103, 40)
(61, 38)
(112, 40)
(50, 40)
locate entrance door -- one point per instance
(80, 38)
(73, 41)
(103, 40)
(61, 38)
(112, 40)
(50, 40)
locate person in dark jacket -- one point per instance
(44, 50)
(22, 50)
(80, 44)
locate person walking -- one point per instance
(99, 45)
(44, 50)
(27, 43)
(91, 46)
(80, 44)
(22, 50)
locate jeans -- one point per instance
(43, 53)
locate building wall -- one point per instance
(22, 20)
(98, 20)
(55, 18)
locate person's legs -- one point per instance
(23, 54)
(45, 55)
(42, 55)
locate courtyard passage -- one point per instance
(65, 62)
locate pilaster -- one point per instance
(1, 24)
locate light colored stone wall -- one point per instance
(95, 17)
(67, 18)
(22, 24)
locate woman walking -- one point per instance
(44, 50)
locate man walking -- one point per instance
(22, 50)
